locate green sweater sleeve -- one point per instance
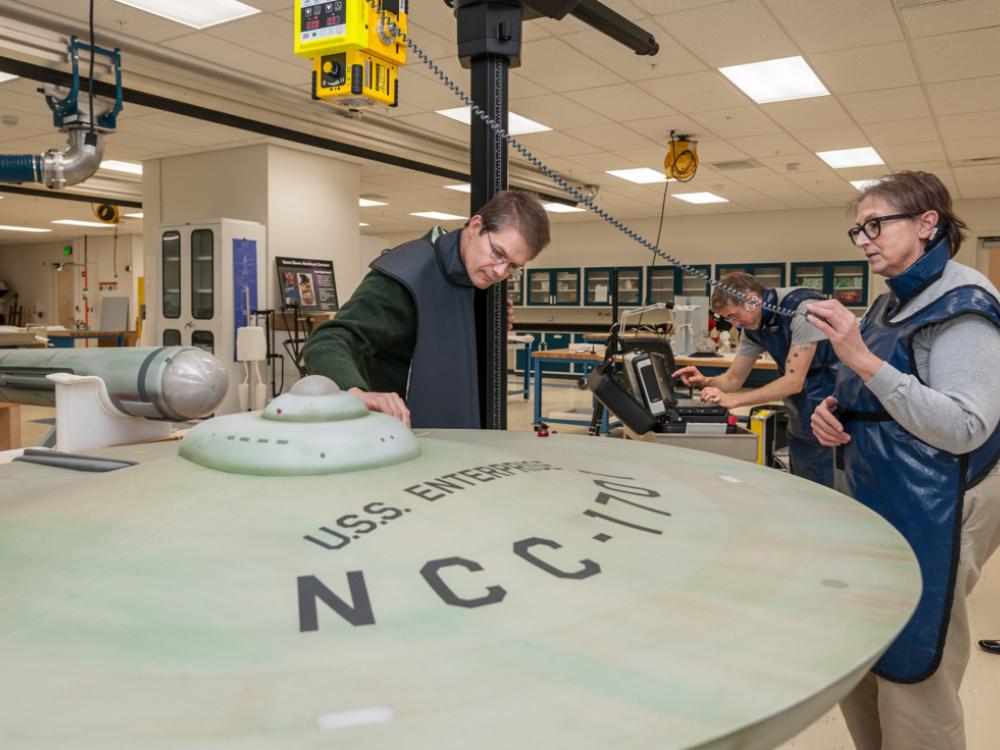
(369, 345)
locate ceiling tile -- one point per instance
(968, 54)
(556, 65)
(972, 148)
(696, 92)
(959, 97)
(235, 57)
(910, 152)
(831, 139)
(611, 135)
(975, 125)
(884, 106)
(558, 112)
(523, 88)
(942, 18)
(800, 163)
(611, 101)
(657, 129)
(671, 59)
(733, 123)
(881, 66)
(732, 33)
(602, 161)
(711, 150)
(556, 143)
(807, 114)
(775, 144)
(902, 132)
(821, 25)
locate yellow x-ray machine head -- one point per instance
(354, 51)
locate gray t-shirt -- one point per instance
(959, 407)
(803, 332)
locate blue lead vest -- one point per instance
(443, 387)
(809, 459)
(916, 487)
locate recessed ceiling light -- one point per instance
(701, 197)
(6, 228)
(642, 175)
(198, 14)
(368, 202)
(862, 184)
(851, 157)
(137, 215)
(561, 208)
(776, 80)
(463, 187)
(77, 223)
(437, 215)
(122, 166)
(4, 77)
(362, 224)
(516, 125)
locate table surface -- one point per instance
(501, 590)
(85, 334)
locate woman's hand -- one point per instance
(841, 328)
(826, 427)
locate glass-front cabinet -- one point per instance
(844, 281)
(553, 286)
(663, 283)
(771, 275)
(597, 286)
(692, 285)
(515, 289)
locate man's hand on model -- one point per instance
(720, 398)
(691, 376)
(387, 403)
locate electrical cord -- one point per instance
(91, 75)
(395, 31)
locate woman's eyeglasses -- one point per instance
(873, 227)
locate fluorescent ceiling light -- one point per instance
(362, 224)
(198, 14)
(6, 228)
(641, 176)
(701, 197)
(137, 215)
(122, 166)
(561, 208)
(368, 202)
(77, 223)
(437, 215)
(851, 157)
(776, 80)
(516, 125)
(463, 187)
(862, 184)
(4, 77)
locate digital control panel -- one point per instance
(322, 19)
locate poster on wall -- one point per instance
(307, 284)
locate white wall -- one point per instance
(783, 236)
(30, 271)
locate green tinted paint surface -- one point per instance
(157, 607)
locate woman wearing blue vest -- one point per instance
(914, 418)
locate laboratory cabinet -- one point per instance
(771, 275)
(663, 283)
(843, 280)
(553, 286)
(597, 286)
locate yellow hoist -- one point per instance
(355, 50)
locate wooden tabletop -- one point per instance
(598, 356)
(570, 354)
(85, 334)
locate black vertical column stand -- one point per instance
(489, 42)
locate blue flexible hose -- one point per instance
(20, 168)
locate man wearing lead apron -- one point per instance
(405, 342)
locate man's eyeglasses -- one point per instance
(873, 227)
(499, 257)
